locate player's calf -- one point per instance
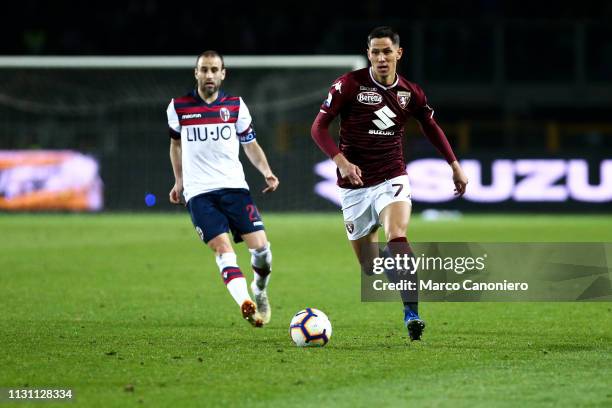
(261, 261)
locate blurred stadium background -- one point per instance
(523, 95)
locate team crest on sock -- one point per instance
(230, 273)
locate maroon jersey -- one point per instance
(372, 118)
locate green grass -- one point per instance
(96, 303)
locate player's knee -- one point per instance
(220, 245)
(222, 249)
(257, 240)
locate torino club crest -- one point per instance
(403, 97)
(225, 114)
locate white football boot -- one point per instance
(263, 304)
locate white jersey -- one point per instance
(210, 135)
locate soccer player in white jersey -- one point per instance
(207, 128)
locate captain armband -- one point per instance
(247, 136)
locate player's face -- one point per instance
(209, 74)
(383, 56)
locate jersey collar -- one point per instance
(381, 85)
(198, 98)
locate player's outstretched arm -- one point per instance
(176, 194)
(258, 158)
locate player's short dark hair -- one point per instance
(211, 54)
(384, 32)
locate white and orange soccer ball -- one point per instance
(310, 328)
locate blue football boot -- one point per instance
(414, 324)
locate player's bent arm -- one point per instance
(257, 157)
(177, 168)
(320, 134)
(348, 170)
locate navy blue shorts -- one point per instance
(220, 211)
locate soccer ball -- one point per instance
(310, 327)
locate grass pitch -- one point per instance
(129, 310)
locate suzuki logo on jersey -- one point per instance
(369, 98)
(225, 114)
(381, 132)
(403, 97)
(385, 114)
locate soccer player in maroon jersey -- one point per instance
(374, 103)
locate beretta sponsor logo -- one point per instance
(369, 98)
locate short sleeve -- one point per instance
(244, 118)
(244, 124)
(173, 121)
